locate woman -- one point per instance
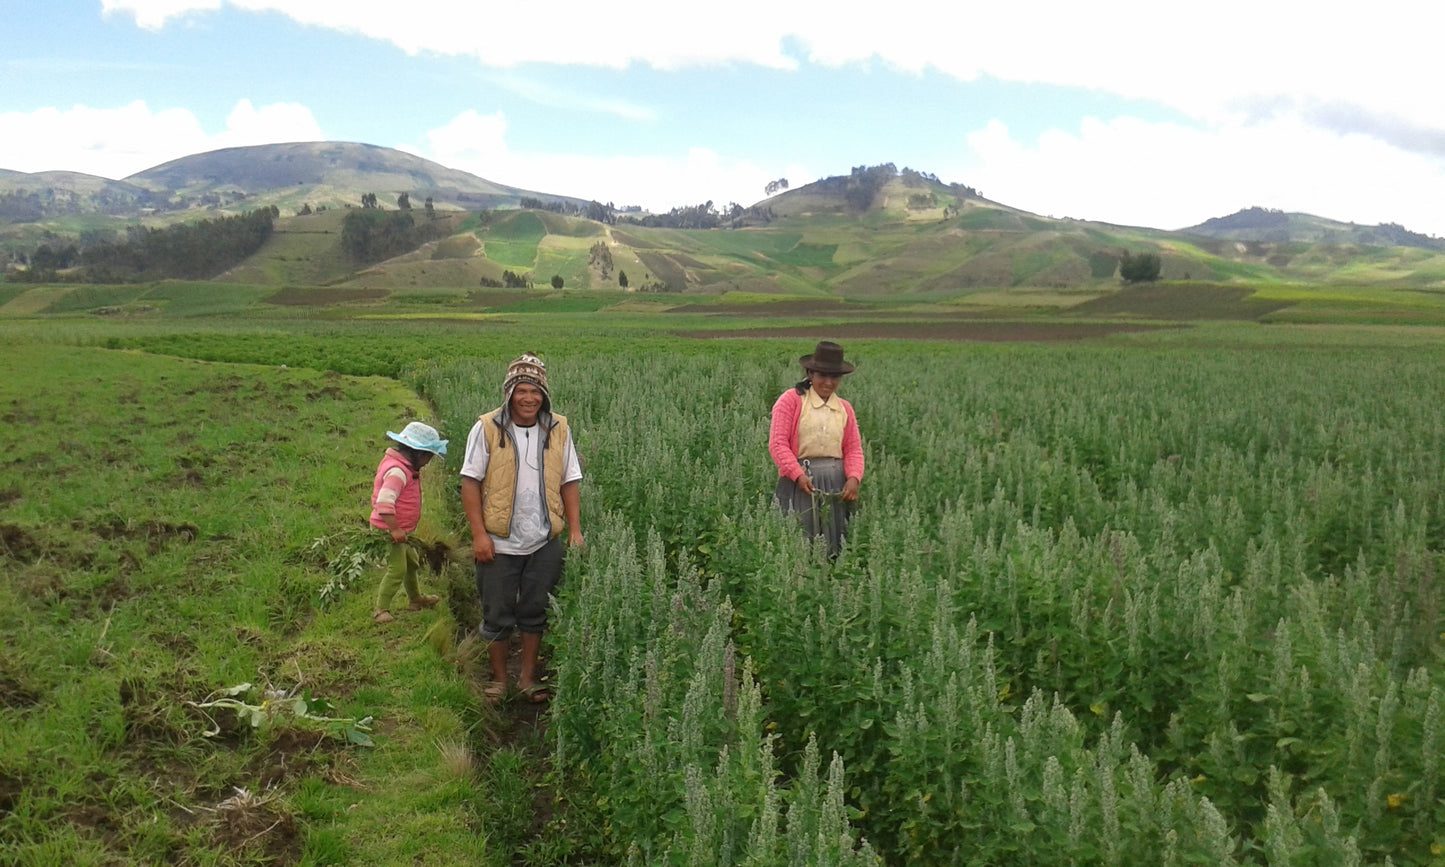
(814, 442)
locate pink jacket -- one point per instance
(783, 437)
(408, 502)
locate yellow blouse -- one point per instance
(820, 427)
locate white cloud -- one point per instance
(476, 143)
(118, 142)
(573, 100)
(154, 14)
(278, 122)
(1214, 62)
(1170, 176)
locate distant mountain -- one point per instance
(876, 231)
(31, 197)
(290, 176)
(1278, 227)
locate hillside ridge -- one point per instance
(876, 231)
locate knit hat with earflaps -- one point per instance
(528, 368)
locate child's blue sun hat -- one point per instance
(422, 437)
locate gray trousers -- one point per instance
(822, 514)
(516, 590)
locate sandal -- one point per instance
(421, 602)
(494, 692)
(381, 615)
(537, 693)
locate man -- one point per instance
(519, 489)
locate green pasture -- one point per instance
(512, 254)
(1185, 301)
(169, 537)
(522, 227)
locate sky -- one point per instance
(1132, 112)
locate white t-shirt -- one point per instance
(529, 506)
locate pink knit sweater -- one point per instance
(783, 437)
(408, 499)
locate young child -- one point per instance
(396, 508)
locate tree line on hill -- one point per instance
(189, 251)
(29, 206)
(861, 186)
(594, 210)
(703, 216)
(371, 235)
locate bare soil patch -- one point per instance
(16, 694)
(258, 826)
(497, 297)
(297, 297)
(796, 307)
(155, 534)
(956, 330)
(1181, 303)
(11, 788)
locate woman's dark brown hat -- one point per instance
(827, 357)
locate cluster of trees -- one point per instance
(859, 187)
(1140, 267)
(22, 206)
(774, 187)
(704, 216)
(192, 251)
(913, 178)
(372, 235)
(510, 280)
(599, 256)
(1396, 235)
(593, 210)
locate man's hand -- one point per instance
(574, 537)
(482, 549)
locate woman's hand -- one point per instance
(805, 484)
(850, 491)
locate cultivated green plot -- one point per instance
(1075, 575)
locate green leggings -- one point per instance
(402, 564)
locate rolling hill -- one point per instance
(873, 233)
(231, 180)
(1280, 227)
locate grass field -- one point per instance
(160, 527)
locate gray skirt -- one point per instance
(824, 513)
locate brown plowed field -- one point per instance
(986, 332)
